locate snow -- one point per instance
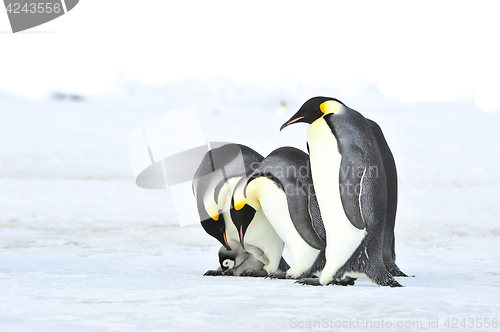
(82, 248)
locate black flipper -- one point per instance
(315, 213)
(298, 206)
(352, 170)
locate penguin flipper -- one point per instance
(246, 271)
(257, 254)
(315, 213)
(352, 171)
(299, 208)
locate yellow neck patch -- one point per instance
(240, 205)
(213, 212)
(331, 106)
(252, 198)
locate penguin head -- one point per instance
(244, 205)
(217, 229)
(226, 264)
(227, 259)
(215, 201)
(315, 108)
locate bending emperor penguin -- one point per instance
(349, 179)
(282, 187)
(213, 185)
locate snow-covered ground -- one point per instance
(82, 248)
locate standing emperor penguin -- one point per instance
(213, 185)
(282, 187)
(349, 179)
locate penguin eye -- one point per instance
(228, 263)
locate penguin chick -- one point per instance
(241, 262)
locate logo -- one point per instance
(165, 153)
(26, 14)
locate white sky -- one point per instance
(418, 51)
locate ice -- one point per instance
(85, 249)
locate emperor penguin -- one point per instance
(351, 188)
(213, 184)
(282, 187)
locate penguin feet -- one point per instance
(230, 272)
(394, 283)
(347, 281)
(315, 282)
(309, 282)
(276, 275)
(258, 274)
(214, 273)
(387, 281)
(395, 271)
(398, 273)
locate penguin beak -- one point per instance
(309, 112)
(216, 229)
(241, 233)
(225, 244)
(292, 120)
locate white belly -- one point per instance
(275, 206)
(342, 237)
(260, 233)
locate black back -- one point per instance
(290, 169)
(218, 166)
(361, 161)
